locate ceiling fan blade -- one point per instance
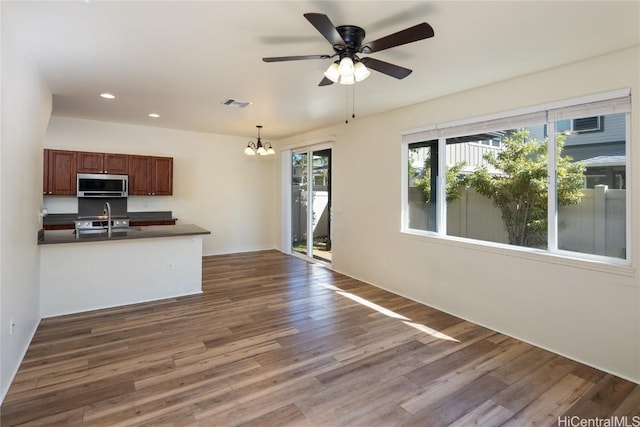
(385, 68)
(408, 35)
(325, 82)
(325, 27)
(294, 58)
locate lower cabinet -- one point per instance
(143, 223)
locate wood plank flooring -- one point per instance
(276, 341)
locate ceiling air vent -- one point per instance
(237, 103)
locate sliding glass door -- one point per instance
(311, 203)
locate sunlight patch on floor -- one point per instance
(432, 332)
(390, 313)
(372, 305)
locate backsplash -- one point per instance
(96, 206)
(60, 204)
(69, 204)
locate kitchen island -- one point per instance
(92, 271)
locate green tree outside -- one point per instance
(454, 181)
(521, 190)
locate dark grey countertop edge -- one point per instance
(52, 237)
(160, 215)
(69, 218)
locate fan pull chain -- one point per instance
(353, 104)
(346, 106)
(353, 100)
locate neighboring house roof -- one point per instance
(615, 159)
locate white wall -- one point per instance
(215, 185)
(576, 308)
(26, 107)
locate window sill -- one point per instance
(621, 267)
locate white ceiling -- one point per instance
(182, 59)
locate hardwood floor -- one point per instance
(276, 341)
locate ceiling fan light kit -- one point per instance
(346, 72)
(333, 72)
(347, 43)
(360, 72)
(346, 66)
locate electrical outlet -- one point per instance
(11, 326)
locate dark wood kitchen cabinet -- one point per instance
(116, 164)
(162, 176)
(110, 163)
(150, 176)
(59, 172)
(139, 175)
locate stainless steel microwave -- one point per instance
(102, 185)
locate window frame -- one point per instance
(445, 130)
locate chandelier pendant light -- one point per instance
(258, 147)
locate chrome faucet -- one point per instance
(107, 211)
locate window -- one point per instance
(595, 222)
(586, 124)
(495, 185)
(580, 125)
(493, 142)
(421, 189)
(492, 193)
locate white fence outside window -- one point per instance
(595, 225)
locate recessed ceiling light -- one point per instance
(154, 115)
(107, 95)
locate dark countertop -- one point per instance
(48, 237)
(69, 218)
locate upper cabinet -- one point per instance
(59, 172)
(162, 176)
(90, 162)
(148, 175)
(117, 164)
(139, 175)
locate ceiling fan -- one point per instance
(346, 41)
